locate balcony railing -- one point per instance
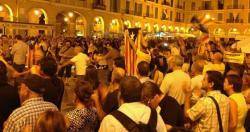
(205, 8)
(236, 7)
(99, 6)
(235, 21)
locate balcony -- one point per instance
(235, 21)
(205, 8)
(178, 20)
(99, 6)
(236, 7)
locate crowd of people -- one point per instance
(180, 85)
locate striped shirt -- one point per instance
(204, 111)
(27, 114)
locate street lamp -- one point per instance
(66, 19)
(207, 16)
(36, 12)
(71, 14)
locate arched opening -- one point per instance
(71, 23)
(98, 26)
(147, 28)
(233, 32)
(138, 24)
(164, 28)
(171, 29)
(114, 26)
(247, 32)
(127, 24)
(156, 28)
(219, 32)
(182, 30)
(37, 15)
(176, 29)
(6, 13)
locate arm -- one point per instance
(188, 94)
(233, 115)
(100, 112)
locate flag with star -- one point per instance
(130, 54)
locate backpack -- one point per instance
(131, 126)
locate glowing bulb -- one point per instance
(66, 19)
(207, 16)
(96, 19)
(234, 29)
(1, 8)
(113, 22)
(36, 12)
(71, 14)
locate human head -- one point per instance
(233, 83)
(117, 75)
(213, 80)
(48, 66)
(67, 43)
(78, 49)
(3, 73)
(92, 76)
(167, 52)
(119, 62)
(150, 94)
(31, 86)
(130, 88)
(176, 62)
(143, 69)
(18, 37)
(83, 92)
(51, 121)
(217, 57)
(197, 67)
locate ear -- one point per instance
(211, 84)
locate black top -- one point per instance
(8, 102)
(54, 91)
(171, 112)
(111, 102)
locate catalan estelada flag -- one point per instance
(130, 54)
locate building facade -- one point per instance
(110, 17)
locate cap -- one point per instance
(34, 82)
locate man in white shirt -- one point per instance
(80, 61)
(177, 83)
(216, 64)
(130, 97)
(196, 81)
(143, 72)
(19, 51)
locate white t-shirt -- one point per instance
(176, 85)
(81, 62)
(196, 85)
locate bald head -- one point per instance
(117, 75)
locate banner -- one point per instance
(234, 57)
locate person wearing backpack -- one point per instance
(132, 115)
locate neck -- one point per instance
(216, 62)
(230, 92)
(80, 105)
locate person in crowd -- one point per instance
(9, 96)
(196, 81)
(54, 86)
(30, 90)
(84, 117)
(216, 64)
(112, 54)
(169, 109)
(238, 106)
(119, 62)
(51, 121)
(177, 83)
(19, 51)
(81, 62)
(204, 112)
(66, 53)
(160, 69)
(132, 108)
(143, 71)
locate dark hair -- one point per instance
(48, 66)
(131, 89)
(149, 90)
(216, 78)
(18, 37)
(236, 81)
(51, 121)
(3, 73)
(120, 62)
(83, 91)
(143, 68)
(92, 76)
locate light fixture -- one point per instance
(234, 30)
(207, 16)
(71, 14)
(1, 8)
(114, 22)
(66, 19)
(96, 19)
(36, 12)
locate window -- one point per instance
(135, 13)
(172, 3)
(147, 11)
(113, 6)
(156, 12)
(235, 4)
(207, 5)
(249, 17)
(220, 16)
(164, 16)
(171, 15)
(184, 5)
(193, 6)
(127, 6)
(139, 13)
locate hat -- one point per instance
(34, 82)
